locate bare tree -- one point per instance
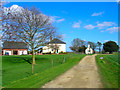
(28, 25)
(76, 44)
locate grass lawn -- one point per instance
(108, 69)
(17, 72)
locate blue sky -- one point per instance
(62, 0)
(90, 21)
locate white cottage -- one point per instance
(54, 46)
(89, 50)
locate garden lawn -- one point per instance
(17, 70)
(108, 69)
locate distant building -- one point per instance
(54, 46)
(14, 48)
(89, 50)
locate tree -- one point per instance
(110, 47)
(28, 25)
(99, 46)
(75, 45)
(82, 49)
(78, 45)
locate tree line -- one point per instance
(78, 45)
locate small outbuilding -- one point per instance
(14, 48)
(89, 50)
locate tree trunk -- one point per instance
(33, 56)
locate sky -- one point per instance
(62, 0)
(90, 21)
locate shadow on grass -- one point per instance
(25, 59)
(28, 60)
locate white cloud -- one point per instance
(109, 26)
(53, 18)
(113, 29)
(56, 19)
(76, 24)
(13, 9)
(104, 24)
(89, 26)
(100, 25)
(60, 20)
(106, 40)
(97, 14)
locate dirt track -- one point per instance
(83, 75)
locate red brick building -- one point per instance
(14, 48)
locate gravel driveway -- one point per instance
(83, 75)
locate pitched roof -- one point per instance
(14, 45)
(56, 41)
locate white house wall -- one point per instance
(20, 52)
(62, 48)
(24, 52)
(46, 49)
(8, 52)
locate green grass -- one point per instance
(108, 69)
(17, 73)
(0, 72)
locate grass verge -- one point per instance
(44, 71)
(108, 69)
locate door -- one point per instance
(15, 52)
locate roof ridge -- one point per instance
(56, 40)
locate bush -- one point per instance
(61, 52)
(47, 53)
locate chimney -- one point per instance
(50, 38)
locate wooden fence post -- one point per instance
(63, 59)
(52, 62)
(32, 68)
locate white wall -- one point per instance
(20, 52)
(89, 51)
(62, 48)
(4, 52)
(7, 52)
(46, 49)
(24, 52)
